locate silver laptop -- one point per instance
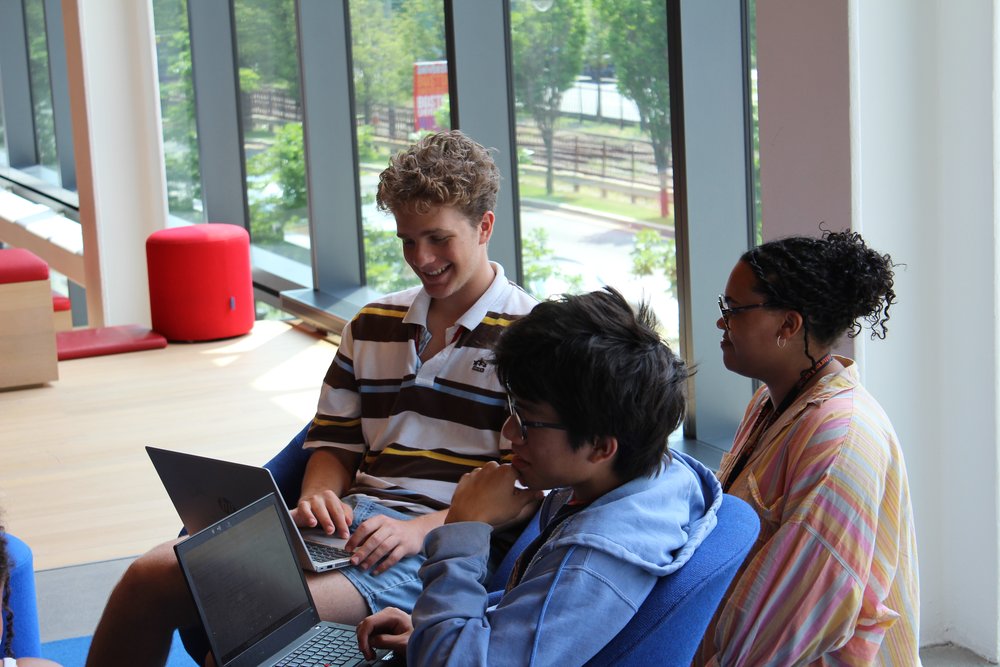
(204, 490)
(253, 599)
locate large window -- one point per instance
(594, 149)
(400, 92)
(300, 104)
(180, 131)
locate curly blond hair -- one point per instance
(442, 169)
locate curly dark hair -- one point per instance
(832, 281)
(442, 169)
(8, 615)
(603, 368)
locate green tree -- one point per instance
(596, 56)
(282, 162)
(420, 25)
(285, 162)
(385, 270)
(267, 38)
(548, 55)
(380, 64)
(652, 253)
(539, 269)
(637, 41)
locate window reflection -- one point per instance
(271, 104)
(180, 131)
(41, 92)
(401, 91)
(594, 149)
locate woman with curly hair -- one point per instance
(6, 654)
(832, 578)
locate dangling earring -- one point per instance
(782, 342)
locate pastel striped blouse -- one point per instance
(832, 579)
(419, 426)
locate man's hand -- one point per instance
(488, 494)
(325, 510)
(382, 541)
(390, 628)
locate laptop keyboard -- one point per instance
(322, 553)
(332, 647)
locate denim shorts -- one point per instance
(398, 586)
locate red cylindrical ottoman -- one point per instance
(200, 287)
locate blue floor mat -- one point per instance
(73, 652)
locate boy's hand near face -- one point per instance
(488, 494)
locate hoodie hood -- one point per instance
(669, 515)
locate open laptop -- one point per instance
(253, 599)
(204, 490)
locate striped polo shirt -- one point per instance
(832, 579)
(419, 426)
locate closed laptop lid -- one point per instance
(203, 489)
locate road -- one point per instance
(600, 252)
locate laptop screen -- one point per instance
(245, 578)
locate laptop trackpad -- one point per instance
(317, 536)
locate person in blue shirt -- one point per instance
(593, 394)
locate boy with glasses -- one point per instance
(593, 394)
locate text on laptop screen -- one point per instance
(248, 585)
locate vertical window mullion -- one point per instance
(482, 103)
(330, 145)
(217, 109)
(718, 228)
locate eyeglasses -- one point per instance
(728, 311)
(523, 425)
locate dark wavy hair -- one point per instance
(442, 169)
(832, 281)
(8, 615)
(604, 369)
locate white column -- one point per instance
(114, 94)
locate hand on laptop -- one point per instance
(381, 541)
(326, 511)
(389, 629)
(488, 494)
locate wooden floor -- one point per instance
(75, 481)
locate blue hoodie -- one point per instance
(581, 587)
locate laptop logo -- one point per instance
(226, 505)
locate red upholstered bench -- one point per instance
(200, 287)
(27, 334)
(62, 312)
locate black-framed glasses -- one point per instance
(523, 425)
(728, 311)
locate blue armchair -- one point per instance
(23, 601)
(670, 624)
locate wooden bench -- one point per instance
(27, 333)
